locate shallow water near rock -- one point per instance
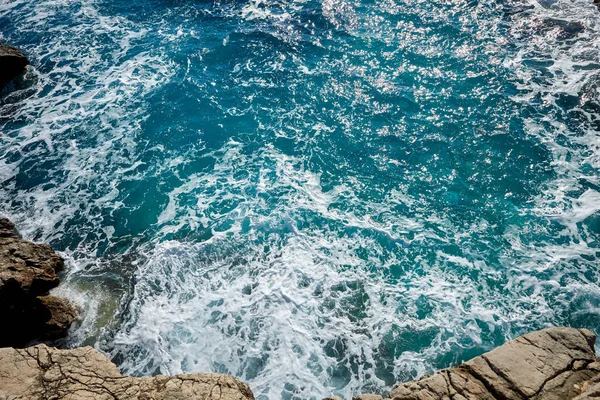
(315, 196)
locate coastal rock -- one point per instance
(27, 272)
(549, 364)
(42, 372)
(62, 315)
(590, 389)
(12, 63)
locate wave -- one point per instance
(315, 196)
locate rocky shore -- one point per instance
(27, 273)
(551, 364)
(42, 372)
(29, 314)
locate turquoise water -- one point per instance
(315, 196)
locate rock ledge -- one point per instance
(42, 372)
(551, 364)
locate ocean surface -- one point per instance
(318, 196)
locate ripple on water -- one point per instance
(316, 196)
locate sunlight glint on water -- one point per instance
(318, 197)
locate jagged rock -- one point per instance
(590, 390)
(43, 372)
(27, 272)
(12, 63)
(548, 364)
(32, 266)
(62, 314)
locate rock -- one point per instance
(27, 272)
(42, 372)
(31, 266)
(590, 390)
(368, 397)
(62, 314)
(595, 366)
(12, 63)
(549, 364)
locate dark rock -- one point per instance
(62, 315)
(27, 272)
(12, 63)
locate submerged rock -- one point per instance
(43, 372)
(551, 364)
(27, 272)
(12, 63)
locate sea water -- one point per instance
(316, 196)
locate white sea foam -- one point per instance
(295, 308)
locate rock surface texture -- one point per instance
(27, 272)
(551, 364)
(42, 372)
(12, 63)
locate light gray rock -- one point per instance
(549, 364)
(41, 372)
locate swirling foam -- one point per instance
(318, 197)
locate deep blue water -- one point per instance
(315, 196)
